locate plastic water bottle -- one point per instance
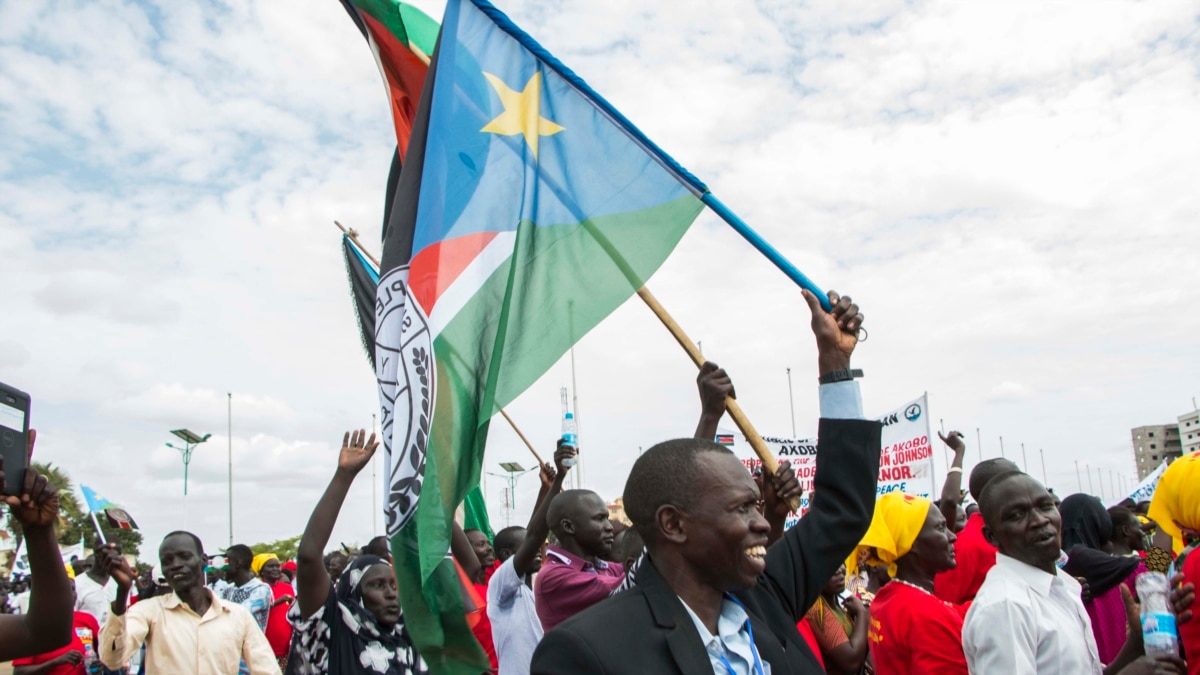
(570, 437)
(90, 659)
(1158, 623)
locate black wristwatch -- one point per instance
(839, 376)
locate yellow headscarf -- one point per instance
(897, 521)
(70, 571)
(1177, 498)
(259, 560)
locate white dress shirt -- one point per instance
(731, 650)
(1025, 621)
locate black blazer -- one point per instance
(647, 630)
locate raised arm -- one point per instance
(47, 625)
(952, 488)
(847, 468)
(535, 532)
(715, 386)
(312, 580)
(464, 553)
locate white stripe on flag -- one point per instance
(473, 277)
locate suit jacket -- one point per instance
(647, 629)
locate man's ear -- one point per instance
(671, 523)
(567, 526)
(990, 537)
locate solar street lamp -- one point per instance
(190, 441)
(513, 471)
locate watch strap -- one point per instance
(840, 376)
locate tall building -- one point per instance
(1189, 431)
(1155, 443)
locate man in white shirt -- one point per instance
(516, 628)
(1028, 617)
(95, 591)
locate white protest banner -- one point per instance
(1145, 489)
(905, 460)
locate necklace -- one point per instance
(909, 583)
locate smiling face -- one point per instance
(726, 535)
(182, 563)
(483, 548)
(270, 572)
(1023, 522)
(380, 595)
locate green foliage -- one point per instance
(285, 549)
(73, 520)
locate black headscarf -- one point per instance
(1086, 528)
(349, 639)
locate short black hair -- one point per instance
(378, 546)
(510, 538)
(469, 530)
(628, 545)
(563, 503)
(241, 553)
(1123, 515)
(329, 556)
(194, 538)
(987, 500)
(665, 474)
(985, 471)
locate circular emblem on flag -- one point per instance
(912, 412)
(120, 518)
(405, 371)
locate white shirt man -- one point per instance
(516, 628)
(1027, 621)
(93, 597)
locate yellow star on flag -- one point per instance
(522, 114)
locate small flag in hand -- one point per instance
(117, 517)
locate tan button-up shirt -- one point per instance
(182, 641)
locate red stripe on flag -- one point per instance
(405, 75)
(438, 265)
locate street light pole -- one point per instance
(513, 471)
(230, 458)
(190, 441)
(791, 403)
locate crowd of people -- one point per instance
(999, 578)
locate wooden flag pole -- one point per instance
(353, 235)
(526, 440)
(731, 406)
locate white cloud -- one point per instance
(1008, 191)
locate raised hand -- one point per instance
(563, 453)
(548, 473)
(836, 331)
(715, 386)
(37, 505)
(109, 559)
(357, 450)
(954, 440)
(778, 490)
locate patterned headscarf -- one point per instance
(260, 560)
(350, 639)
(897, 521)
(1176, 501)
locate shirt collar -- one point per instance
(1038, 580)
(731, 621)
(173, 602)
(565, 557)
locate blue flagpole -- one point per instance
(764, 248)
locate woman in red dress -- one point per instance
(279, 631)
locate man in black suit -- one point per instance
(711, 597)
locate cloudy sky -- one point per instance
(1009, 190)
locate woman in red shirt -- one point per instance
(69, 659)
(912, 632)
(279, 631)
(1176, 508)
